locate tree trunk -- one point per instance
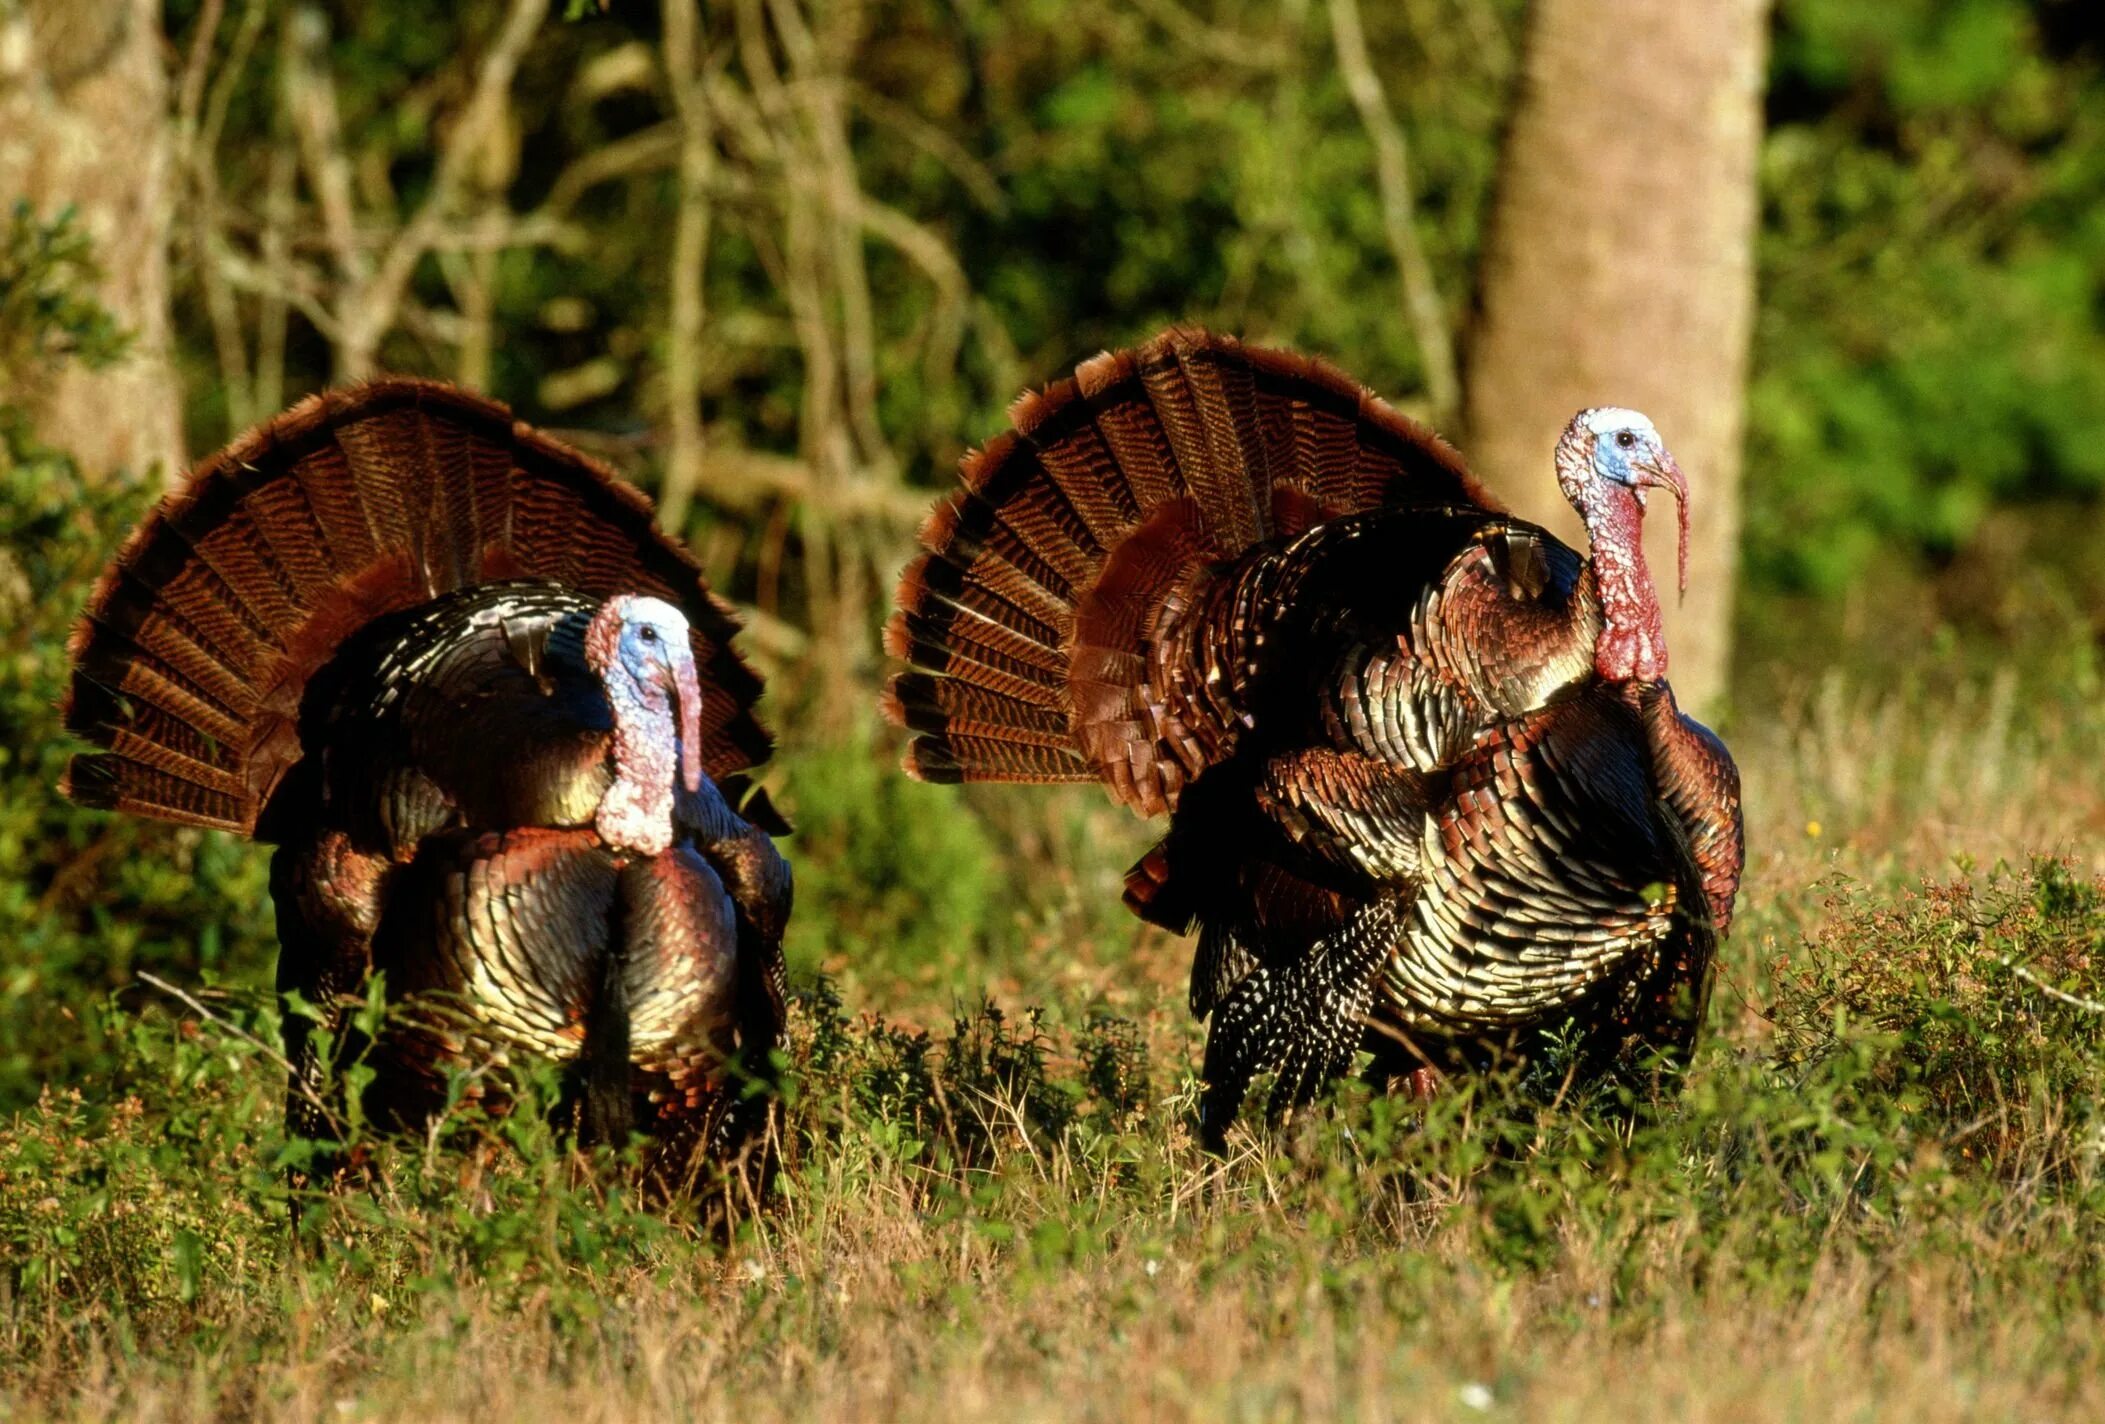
(1619, 271)
(84, 122)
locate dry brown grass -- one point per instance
(1810, 1231)
(1116, 1341)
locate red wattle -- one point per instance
(687, 694)
(1632, 643)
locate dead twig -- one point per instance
(1214, 42)
(371, 292)
(2031, 976)
(486, 106)
(689, 258)
(1421, 296)
(196, 1006)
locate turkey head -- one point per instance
(638, 648)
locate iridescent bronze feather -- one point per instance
(481, 705)
(1428, 792)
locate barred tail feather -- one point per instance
(190, 661)
(1114, 492)
(976, 732)
(1301, 1020)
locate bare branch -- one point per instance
(2030, 976)
(921, 246)
(282, 281)
(771, 637)
(1421, 297)
(690, 251)
(367, 317)
(748, 479)
(915, 241)
(843, 194)
(271, 321)
(196, 1006)
(641, 152)
(495, 230)
(937, 143)
(221, 96)
(742, 117)
(207, 246)
(751, 482)
(1215, 42)
(194, 158)
(310, 102)
(190, 94)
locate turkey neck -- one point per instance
(636, 813)
(1632, 642)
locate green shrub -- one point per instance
(87, 900)
(888, 870)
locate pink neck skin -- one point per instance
(1633, 639)
(636, 812)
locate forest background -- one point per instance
(782, 262)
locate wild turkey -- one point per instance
(489, 716)
(1429, 793)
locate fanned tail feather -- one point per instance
(197, 642)
(1114, 493)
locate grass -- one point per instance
(1880, 1191)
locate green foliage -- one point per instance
(1929, 343)
(87, 900)
(152, 1199)
(47, 308)
(1987, 1006)
(965, 1102)
(885, 866)
(1149, 182)
(1916, 1099)
(1928, 347)
(1912, 1086)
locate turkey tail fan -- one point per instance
(199, 638)
(1028, 618)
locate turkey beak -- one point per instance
(687, 696)
(1663, 473)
